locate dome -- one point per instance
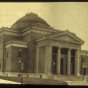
(30, 19)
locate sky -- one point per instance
(60, 15)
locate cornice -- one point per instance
(9, 32)
(17, 44)
(49, 29)
(65, 41)
(62, 33)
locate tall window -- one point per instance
(7, 54)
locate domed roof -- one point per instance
(27, 21)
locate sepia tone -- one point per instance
(31, 48)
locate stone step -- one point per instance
(69, 78)
(79, 83)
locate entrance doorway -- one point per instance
(63, 65)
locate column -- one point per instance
(58, 60)
(37, 56)
(77, 63)
(48, 59)
(68, 61)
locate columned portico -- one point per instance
(64, 61)
(62, 54)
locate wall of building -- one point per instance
(31, 39)
(7, 38)
(27, 38)
(15, 65)
(41, 59)
(8, 59)
(84, 58)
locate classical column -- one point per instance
(37, 56)
(68, 61)
(58, 60)
(77, 62)
(48, 61)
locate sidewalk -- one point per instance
(7, 82)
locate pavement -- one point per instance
(7, 82)
(77, 83)
(73, 83)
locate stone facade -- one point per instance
(45, 50)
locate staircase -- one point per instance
(72, 80)
(77, 83)
(68, 78)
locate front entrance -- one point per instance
(63, 66)
(63, 61)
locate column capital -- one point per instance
(69, 48)
(59, 47)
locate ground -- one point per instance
(35, 81)
(8, 82)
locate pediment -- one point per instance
(67, 38)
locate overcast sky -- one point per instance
(60, 15)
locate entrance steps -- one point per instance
(69, 78)
(77, 83)
(72, 80)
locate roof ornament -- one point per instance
(67, 29)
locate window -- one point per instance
(7, 54)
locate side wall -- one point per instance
(41, 59)
(31, 38)
(8, 60)
(7, 38)
(15, 65)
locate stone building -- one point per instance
(46, 52)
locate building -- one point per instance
(46, 52)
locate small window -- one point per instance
(7, 54)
